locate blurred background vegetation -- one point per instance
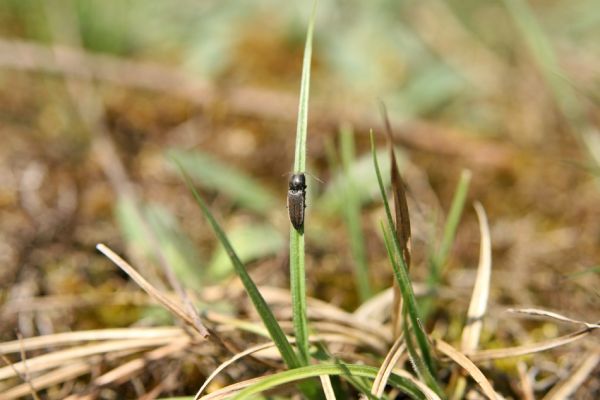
(97, 96)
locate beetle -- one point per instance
(296, 200)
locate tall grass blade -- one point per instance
(439, 257)
(297, 265)
(401, 274)
(403, 230)
(352, 213)
(275, 331)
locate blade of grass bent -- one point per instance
(401, 275)
(297, 266)
(478, 305)
(479, 299)
(275, 331)
(281, 378)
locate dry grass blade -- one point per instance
(28, 387)
(481, 289)
(429, 394)
(399, 192)
(568, 386)
(468, 366)
(65, 338)
(173, 307)
(327, 387)
(52, 378)
(537, 313)
(61, 357)
(390, 361)
(127, 370)
(486, 355)
(526, 384)
(402, 221)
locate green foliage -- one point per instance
(297, 266)
(400, 269)
(275, 331)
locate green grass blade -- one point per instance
(297, 266)
(439, 257)
(347, 370)
(401, 275)
(298, 289)
(456, 209)
(424, 371)
(352, 214)
(275, 331)
(302, 126)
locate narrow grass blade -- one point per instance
(438, 259)
(352, 213)
(275, 331)
(481, 289)
(278, 379)
(302, 126)
(415, 358)
(327, 387)
(403, 230)
(468, 366)
(456, 209)
(479, 298)
(390, 361)
(517, 351)
(297, 265)
(177, 309)
(536, 313)
(568, 386)
(401, 275)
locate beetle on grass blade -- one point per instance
(296, 200)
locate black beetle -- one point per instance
(296, 200)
